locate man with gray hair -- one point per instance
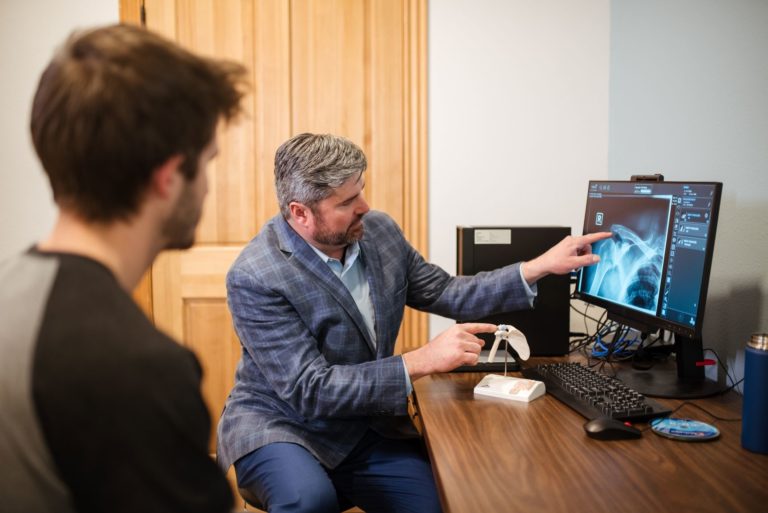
(318, 416)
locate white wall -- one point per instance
(518, 115)
(29, 33)
(689, 98)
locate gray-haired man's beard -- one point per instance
(328, 238)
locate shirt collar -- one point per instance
(352, 253)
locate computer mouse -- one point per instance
(606, 428)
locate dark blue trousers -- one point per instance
(380, 475)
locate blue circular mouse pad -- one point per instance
(688, 430)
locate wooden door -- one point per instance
(354, 68)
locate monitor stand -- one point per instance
(685, 382)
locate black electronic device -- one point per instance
(607, 428)
(546, 326)
(654, 271)
(502, 363)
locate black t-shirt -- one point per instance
(117, 402)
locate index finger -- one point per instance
(589, 238)
(478, 327)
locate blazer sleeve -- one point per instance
(433, 290)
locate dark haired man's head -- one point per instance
(117, 102)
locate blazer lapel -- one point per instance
(291, 242)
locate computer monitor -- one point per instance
(653, 273)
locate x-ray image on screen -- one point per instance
(630, 267)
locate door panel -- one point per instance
(328, 69)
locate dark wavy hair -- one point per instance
(115, 103)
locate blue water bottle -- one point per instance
(754, 418)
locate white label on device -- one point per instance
(497, 236)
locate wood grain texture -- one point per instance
(224, 29)
(414, 221)
(161, 17)
(130, 11)
(180, 276)
(272, 98)
(495, 455)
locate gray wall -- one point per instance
(29, 33)
(689, 99)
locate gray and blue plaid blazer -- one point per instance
(309, 373)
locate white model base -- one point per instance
(508, 387)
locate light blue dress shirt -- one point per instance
(352, 275)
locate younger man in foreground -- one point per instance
(99, 410)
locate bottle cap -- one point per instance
(759, 341)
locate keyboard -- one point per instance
(593, 394)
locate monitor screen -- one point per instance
(653, 272)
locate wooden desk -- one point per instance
(491, 455)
